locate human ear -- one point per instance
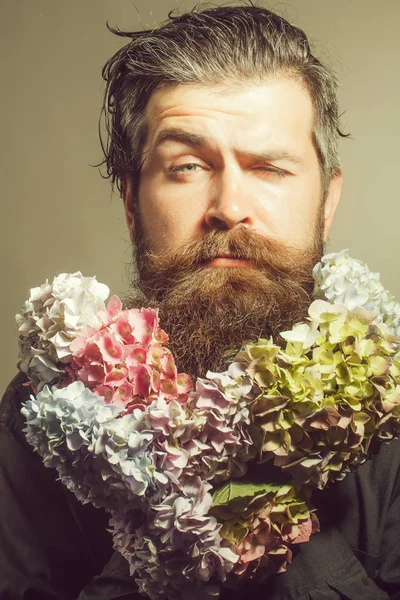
(128, 200)
(332, 201)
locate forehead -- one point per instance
(278, 109)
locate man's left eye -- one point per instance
(272, 170)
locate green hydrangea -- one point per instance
(324, 398)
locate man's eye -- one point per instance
(272, 170)
(186, 168)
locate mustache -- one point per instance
(265, 253)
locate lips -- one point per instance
(227, 260)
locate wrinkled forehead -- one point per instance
(274, 111)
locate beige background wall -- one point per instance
(58, 215)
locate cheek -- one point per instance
(301, 227)
(167, 219)
(294, 211)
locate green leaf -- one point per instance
(234, 490)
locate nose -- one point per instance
(230, 206)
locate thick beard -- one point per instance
(210, 312)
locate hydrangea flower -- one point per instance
(324, 398)
(223, 444)
(342, 279)
(177, 550)
(51, 319)
(60, 425)
(124, 360)
(259, 522)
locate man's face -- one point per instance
(217, 158)
(229, 219)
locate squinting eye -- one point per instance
(273, 170)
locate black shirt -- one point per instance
(54, 548)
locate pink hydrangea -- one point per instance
(125, 360)
(265, 549)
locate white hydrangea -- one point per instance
(101, 456)
(59, 426)
(124, 442)
(345, 280)
(50, 321)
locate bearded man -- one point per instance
(223, 140)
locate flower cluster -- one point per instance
(260, 520)
(331, 392)
(60, 427)
(342, 279)
(123, 358)
(140, 466)
(213, 484)
(50, 321)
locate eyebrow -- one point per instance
(197, 140)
